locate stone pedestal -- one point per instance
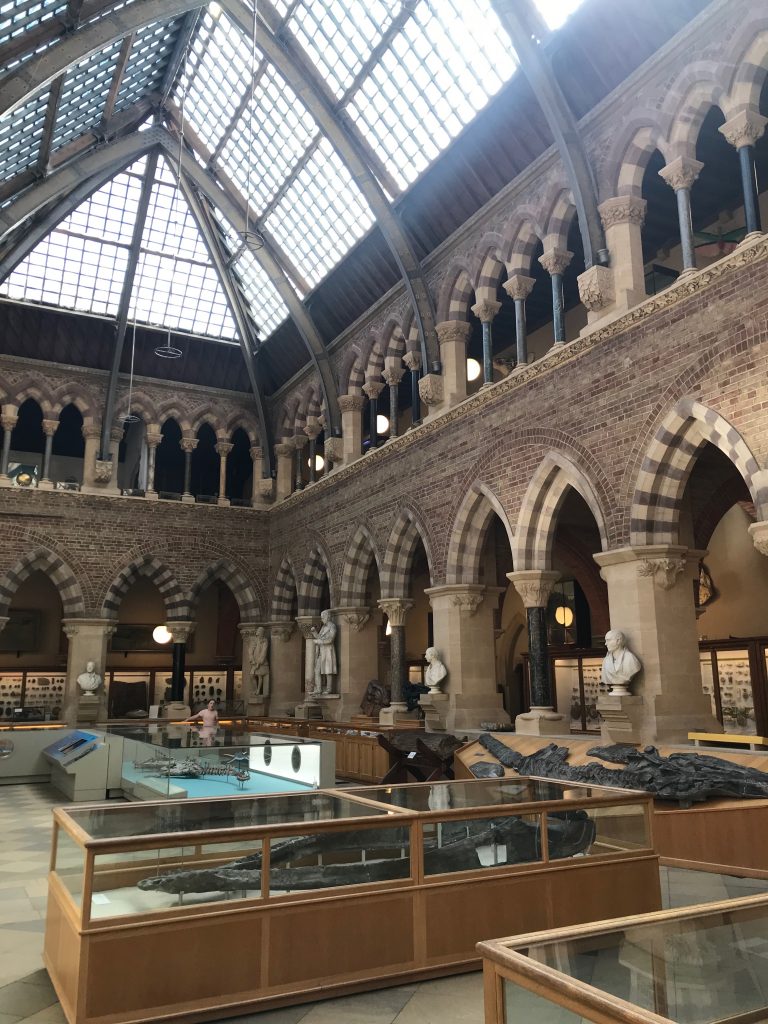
(650, 599)
(436, 711)
(256, 707)
(541, 722)
(358, 657)
(464, 637)
(622, 718)
(395, 714)
(88, 708)
(351, 407)
(285, 667)
(453, 336)
(309, 709)
(87, 642)
(175, 711)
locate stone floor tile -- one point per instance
(23, 1000)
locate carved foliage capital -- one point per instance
(596, 288)
(393, 375)
(257, 453)
(623, 210)
(282, 631)
(180, 631)
(663, 571)
(556, 261)
(413, 361)
(312, 428)
(153, 440)
(9, 421)
(50, 427)
(518, 287)
(682, 172)
(373, 388)
(486, 310)
(333, 449)
(284, 450)
(744, 129)
(467, 602)
(223, 448)
(300, 441)
(431, 389)
(351, 403)
(534, 586)
(357, 618)
(90, 430)
(451, 332)
(188, 444)
(396, 609)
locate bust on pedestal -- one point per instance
(435, 703)
(89, 683)
(621, 713)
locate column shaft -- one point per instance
(558, 311)
(749, 188)
(6, 450)
(487, 353)
(223, 476)
(151, 459)
(312, 456)
(521, 335)
(393, 409)
(397, 658)
(683, 196)
(415, 398)
(187, 472)
(298, 480)
(47, 457)
(178, 682)
(541, 683)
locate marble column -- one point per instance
(92, 437)
(153, 440)
(373, 389)
(392, 376)
(49, 429)
(463, 627)
(556, 262)
(485, 311)
(518, 287)
(300, 442)
(453, 336)
(413, 361)
(178, 706)
(742, 131)
(223, 448)
(284, 453)
(396, 610)
(351, 407)
(534, 587)
(358, 650)
(680, 175)
(188, 445)
(313, 430)
(650, 599)
(88, 640)
(285, 667)
(623, 218)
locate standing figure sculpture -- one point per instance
(90, 680)
(260, 663)
(620, 665)
(325, 654)
(436, 671)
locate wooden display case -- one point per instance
(341, 890)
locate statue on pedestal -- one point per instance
(620, 665)
(325, 653)
(90, 680)
(260, 663)
(436, 670)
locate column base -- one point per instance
(396, 713)
(672, 723)
(435, 708)
(5, 480)
(223, 502)
(188, 499)
(541, 722)
(176, 711)
(45, 485)
(151, 495)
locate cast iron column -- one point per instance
(555, 262)
(680, 175)
(393, 375)
(485, 311)
(518, 287)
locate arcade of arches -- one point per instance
(607, 469)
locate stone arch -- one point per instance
(455, 294)
(244, 592)
(173, 411)
(468, 534)
(491, 266)
(317, 569)
(31, 388)
(525, 234)
(75, 394)
(352, 375)
(750, 59)
(207, 414)
(669, 460)
(629, 156)
(239, 418)
(698, 88)
(357, 563)
(396, 564)
(394, 342)
(156, 572)
(284, 592)
(44, 560)
(541, 503)
(140, 403)
(287, 419)
(558, 220)
(375, 361)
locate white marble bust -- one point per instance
(436, 671)
(90, 680)
(620, 665)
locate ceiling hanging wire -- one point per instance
(131, 417)
(252, 238)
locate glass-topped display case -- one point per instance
(697, 965)
(375, 868)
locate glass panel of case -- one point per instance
(520, 1004)
(736, 692)
(597, 830)
(441, 796)
(10, 693)
(454, 845)
(70, 865)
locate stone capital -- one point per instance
(518, 287)
(373, 388)
(9, 422)
(300, 441)
(313, 428)
(188, 444)
(663, 571)
(265, 486)
(431, 389)
(413, 361)
(467, 597)
(153, 440)
(306, 624)
(74, 627)
(744, 129)
(453, 332)
(663, 564)
(596, 289)
(556, 261)
(393, 375)
(351, 403)
(248, 630)
(50, 427)
(333, 449)
(759, 533)
(90, 430)
(180, 631)
(681, 172)
(623, 210)
(534, 585)
(396, 609)
(223, 448)
(281, 629)
(285, 449)
(356, 616)
(486, 309)
(256, 452)
(102, 472)
(117, 433)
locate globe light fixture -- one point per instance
(474, 369)
(564, 616)
(161, 635)
(382, 424)
(319, 463)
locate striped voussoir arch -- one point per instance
(668, 463)
(245, 594)
(541, 504)
(398, 556)
(313, 580)
(361, 553)
(284, 593)
(151, 568)
(59, 573)
(465, 547)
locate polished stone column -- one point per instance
(178, 707)
(9, 421)
(358, 649)
(453, 336)
(313, 430)
(518, 287)
(300, 442)
(556, 262)
(680, 175)
(413, 361)
(153, 440)
(88, 640)
(351, 407)
(392, 376)
(223, 448)
(396, 610)
(743, 131)
(284, 453)
(373, 389)
(485, 311)
(285, 667)
(623, 218)
(188, 445)
(534, 587)
(49, 429)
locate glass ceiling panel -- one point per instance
(439, 72)
(272, 135)
(146, 65)
(556, 12)
(85, 91)
(267, 307)
(339, 36)
(321, 215)
(20, 134)
(18, 16)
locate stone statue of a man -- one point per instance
(620, 665)
(436, 671)
(325, 654)
(90, 680)
(260, 663)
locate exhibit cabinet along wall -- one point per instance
(251, 902)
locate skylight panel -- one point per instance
(216, 77)
(272, 136)
(110, 214)
(339, 35)
(145, 69)
(18, 16)
(85, 91)
(440, 71)
(321, 215)
(170, 227)
(556, 12)
(267, 308)
(182, 295)
(20, 135)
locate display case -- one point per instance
(697, 965)
(335, 890)
(177, 761)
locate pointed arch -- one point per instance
(394, 340)
(173, 411)
(284, 592)
(491, 266)
(140, 403)
(750, 60)
(156, 572)
(465, 546)
(361, 553)
(398, 557)
(541, 503)
(352, 376)
(525, 234)
(698, 88)
(629, 155)
(244, 592)
(44, 560)
(558, 220)
(317, 571)
(671, 455)
(455, 294)
(31, 387)
(75, 394)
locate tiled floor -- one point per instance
(26, 994)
